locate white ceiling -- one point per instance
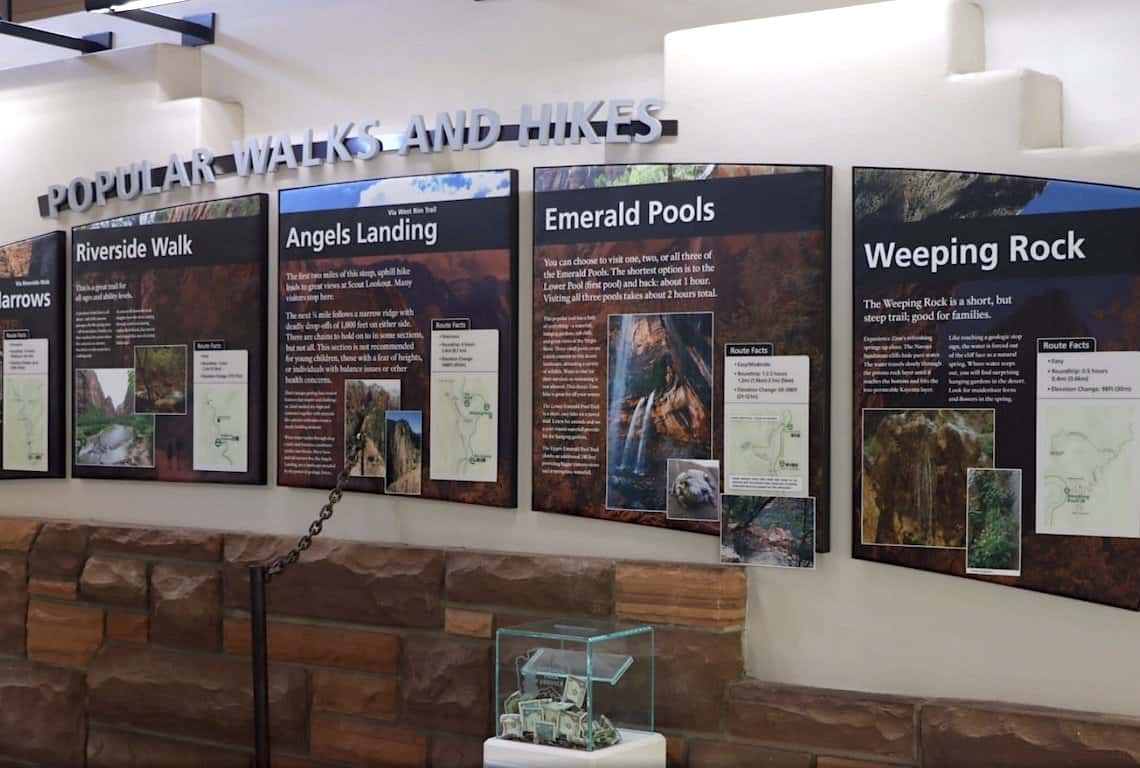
(656, 17)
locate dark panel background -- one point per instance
(1052, 299)
(48, 253)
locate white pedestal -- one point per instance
(636, 750)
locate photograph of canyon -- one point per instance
(914, 473)
(660, 403)
(405, 438)
(107, 430)
(365, 402)
(775, 531)
(160, 380)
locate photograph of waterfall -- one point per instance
(914, 473)
(660, 387)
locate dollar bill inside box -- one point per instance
(576, 684)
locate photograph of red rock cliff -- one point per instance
(644, 277)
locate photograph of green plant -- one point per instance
(993, 522)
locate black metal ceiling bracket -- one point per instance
(85, 44)
(196, 30)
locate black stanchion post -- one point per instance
(260, 655)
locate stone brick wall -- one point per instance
(128, 648)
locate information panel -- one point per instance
(32, 308)
(681, 346)
(169, 342)
(398, 316)
(997, 379)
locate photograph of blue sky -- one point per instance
(405, 190)
(1074, 197)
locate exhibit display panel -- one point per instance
(398, 318)
(169, 343)
(997, 379)
(32, 310)
(681, 343)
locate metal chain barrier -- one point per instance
(352, 455)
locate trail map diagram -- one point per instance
(220, 426)
(25, 423)
(766, 448)
(1089, 458)
(465, 427)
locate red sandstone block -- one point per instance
(18, 535)
(58, 552)
(377, 698)
(126, 627)
(459, 621)
(693, 670)
(696, 596)
(824, 720)
(966, 734)
(721, 754)
(60, 590)
(112, 749)
(451, 751)
(177, 543)
(64, 634)
(342, 581)
(42, 714)
(359, 649)
(191, 695)
(676, 751)
(568, 584)
(355, 741)
(186, 605)
(114, 580)
(447, 680)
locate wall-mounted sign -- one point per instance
(681, 339)
(169, 344)
(618, 121)
(997, 379)
(398, 318)
(32, 310)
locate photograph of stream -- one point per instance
(107, 431)
(660, 403)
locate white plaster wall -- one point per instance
(870, 87)
(901, 84)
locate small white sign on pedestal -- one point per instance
(637, 749)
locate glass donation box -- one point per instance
(576, 691)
